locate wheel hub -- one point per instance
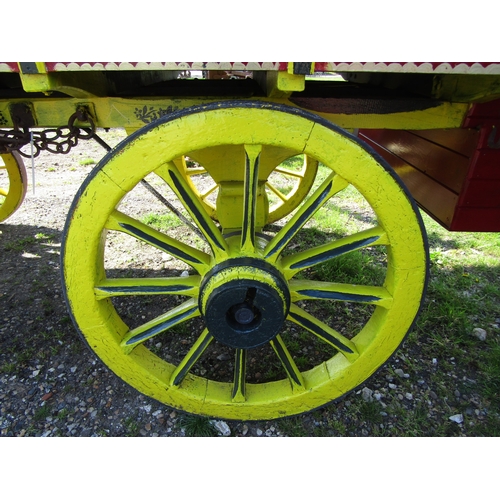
(244, 302)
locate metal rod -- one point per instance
(32, 162)
(169, 205)
(155, 193)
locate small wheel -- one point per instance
(13, 184)
(287, 183)
(246, 322)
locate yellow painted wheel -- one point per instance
(13, 184)
(247, 322)
(286, 183)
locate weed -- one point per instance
(20, 245)
(131, 426)
(370, 412)
(196, 426)
(42, 236)
(8, 368)
(162, 222)
(293, 427)
(87, 161)
(26, 355)
(42, 413)
(62, 414)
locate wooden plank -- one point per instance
(461, 140)
(441, 164)
(437, 200)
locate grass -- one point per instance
(87, 161)
(463, 294)
(21, 244)
(162, 222)
(131, 426)
(195, 426)
(42, 413)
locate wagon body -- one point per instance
(435, 123)
(394, 133)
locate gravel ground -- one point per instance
(51, 385)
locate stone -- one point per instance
(367, 394)
(399, 372)
(479, 333)
(458, 418)
(221, 427)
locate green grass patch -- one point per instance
(87, 161)
(162, 222)
(196, 426)
(20, 245)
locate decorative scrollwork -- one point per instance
(150, 114)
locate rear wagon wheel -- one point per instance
(13, 184)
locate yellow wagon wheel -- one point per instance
(286, 184)
(248, 301)
(13, 184)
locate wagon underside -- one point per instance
(436, 125)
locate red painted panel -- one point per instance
(483, 113)
(485, 164)
(476, 219)
(481, 193)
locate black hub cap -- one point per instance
(245, 313)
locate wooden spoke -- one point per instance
(185, 311)
(191, 358)
(290, 173)
(3, 192)
(277, 192)
(252, 156)
(305, 290)
(208, 192)
(238, 392)
(322, 253)
(323, 332)
(191, 256)
(113, 287)
(191, 171)
(193, 205)
(288, 363)
(332, 185)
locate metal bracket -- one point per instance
(22, 115)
